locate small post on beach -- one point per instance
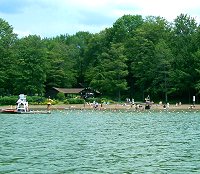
(84, 103)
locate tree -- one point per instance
(183, 47)
(31, 56)
(108, 75)
(80, 42)
(140, 52)
(7, 60)
(154, 28)
(123, 30)
(196, 64)
(60, 72)
(124, 26)
(162, 70)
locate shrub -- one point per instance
(91, 100)
(105, 100)
(11, 100)
(35, 99)
(60, 96)
(66, 101)
(74, 101)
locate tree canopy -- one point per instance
(134, 58)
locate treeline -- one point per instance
(134, 58)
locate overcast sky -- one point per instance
(49, 18)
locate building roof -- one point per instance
(69, 90)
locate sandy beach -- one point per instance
(108, 107)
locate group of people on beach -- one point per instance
(147, 105)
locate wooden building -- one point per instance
(73, 92)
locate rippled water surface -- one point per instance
(100, 142)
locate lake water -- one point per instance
(100, 142)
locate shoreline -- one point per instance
(154, 107)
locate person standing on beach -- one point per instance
(49, 101)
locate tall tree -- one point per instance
(140, 47)
(31, 55)
(123, 27)
(80, 42)
(155, 28)
(140, 53)
(183, 47)
(109, 75)
(7, 60)
(61, 70)
(162, 70)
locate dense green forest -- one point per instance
(134, 58)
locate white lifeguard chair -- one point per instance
(22, 104)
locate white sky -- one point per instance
(49, 18)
